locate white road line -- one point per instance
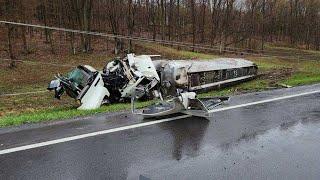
(57, 141)
(264, 101)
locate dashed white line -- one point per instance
(72, 138)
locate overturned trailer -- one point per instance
(146, 78)
(191, 75)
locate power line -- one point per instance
(142, 39)
(136, 38)
(94, 33)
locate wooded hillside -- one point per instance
(246, 24)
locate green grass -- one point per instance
(18, 110)
(32, 77)
(63, 113)
(250, 86)
(71, 111)
(302, 78)
(308, 72)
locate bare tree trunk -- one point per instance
(10, 48)
(130, 22)
(51, 42)
(114, 18)
(86, 25)
(203, 20)
(162, 19)
(252, 22)
(153, 20)
(170, 19)
(24, 40)
(193, 14)
(317, 34)
(263, 24)
(179, 22)
(215, 18)
(23, 28)
(46, 31)
(73, 49)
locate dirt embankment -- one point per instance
(276, 75)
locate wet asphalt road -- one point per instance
(275, 140)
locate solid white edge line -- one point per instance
(263, 101)
(72, 138)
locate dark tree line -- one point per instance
(247, 24)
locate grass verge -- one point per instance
(63, 113)
(39, 108)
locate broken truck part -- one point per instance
(147, 78)
(184, 103)
(84, 84)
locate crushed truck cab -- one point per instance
(115, 83)
(84, 84)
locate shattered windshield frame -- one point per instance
(79, 77)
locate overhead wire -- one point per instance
(144, 39)
(141, 39)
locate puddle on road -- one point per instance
(284, 151)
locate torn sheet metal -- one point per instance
(145, 78)
(185, 103)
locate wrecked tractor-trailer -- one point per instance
(147, 78)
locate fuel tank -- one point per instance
(196, 75)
